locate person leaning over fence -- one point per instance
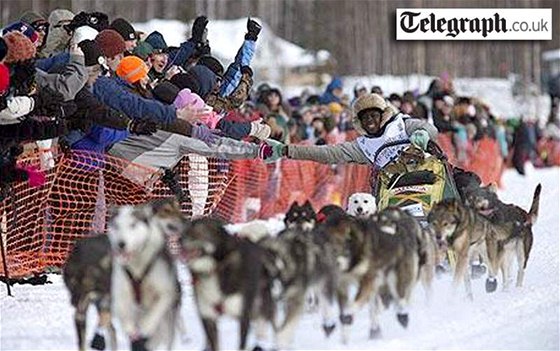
(383, 133)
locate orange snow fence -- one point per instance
(40, 225)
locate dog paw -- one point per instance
(139, 344)
(491, 285)
(403, 319)
(98, 342)
(328, 329)
(478, 270)
(346, 319)
(375, 333)
(258, 348)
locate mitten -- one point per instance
(420, 138)
(278, 150)
(253, 30)
(199, 29)
(202, 132)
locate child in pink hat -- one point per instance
(206, 116)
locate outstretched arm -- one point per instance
(347, 152)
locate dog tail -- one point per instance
(534, 211)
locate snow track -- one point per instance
(40, 317)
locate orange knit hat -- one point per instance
(132, 69)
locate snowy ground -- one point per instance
(40, 317)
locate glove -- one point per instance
(202, 132)
(247, 70)
(253, 30)
(202, 49)
(141, 127)
(265, 151)
(199, 29)
(46, 101)
(278, 150)
(420, 138)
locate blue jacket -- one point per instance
(100, 139)
(114, 92)
(328, 95)
(233, 74)
(180, 56)
(46, 64)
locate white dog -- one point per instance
(145, 288)
(361, 205)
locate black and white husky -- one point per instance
(145, 287)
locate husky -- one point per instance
(88, 270)
(516, 220)
(87, 275)
(361, 205)
(301, 217)
(468, 233)
(145, 286)
(229, 277)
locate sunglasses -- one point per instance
(41, 27)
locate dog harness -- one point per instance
(137, 282)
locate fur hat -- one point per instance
(24, 28)
(3, 49)
(20, 48)
(124, 28)
(369, 101)
(92, 53)
(83, 33)
(132, 69)
(213, 63)
(60, 15)
(4, 78)
(110, 42)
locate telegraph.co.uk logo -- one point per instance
(474, 24)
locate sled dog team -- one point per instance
(334, 260)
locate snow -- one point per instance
(40, 317)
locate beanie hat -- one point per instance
(156, 40)
(166, 92)
(124, 28)
(60, 15)
(20, 48)
(132, 69)
(143, 50)
(369, 101)
(82, 33)
(23, 28)
(335, 108)
(186, 80)
(213, 64)
(187, 98)
(3, 49)
(110, 42)
(4, 78)
(92, 53)
(31, 18)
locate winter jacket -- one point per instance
(91, 111)
(232, 77)
(328, 95)
(181, 56)
(206, 79)
(163, 149)
(224, 104)
(100, 139)
(114, 92)
(46, 64)
(351, 152)
(69, 82)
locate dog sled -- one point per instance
(415, 180)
